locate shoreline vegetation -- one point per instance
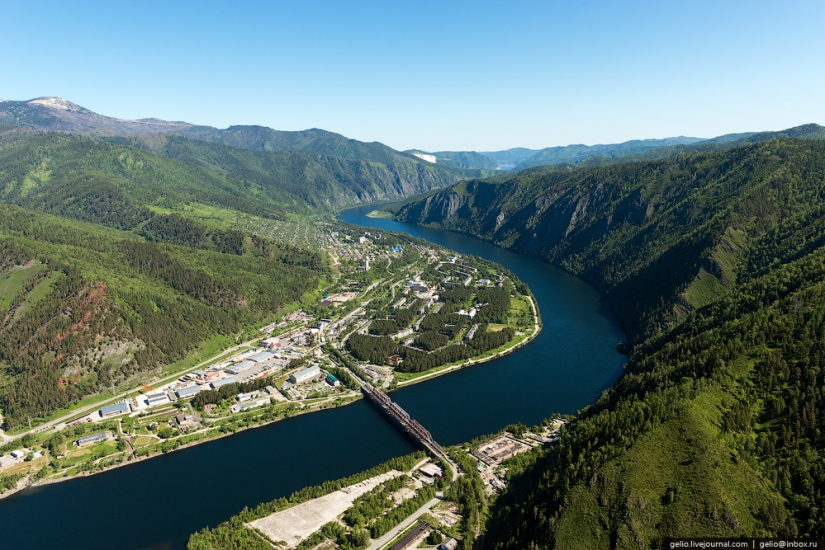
(125, 439)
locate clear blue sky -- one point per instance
(430, 75)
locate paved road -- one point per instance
(395, 531)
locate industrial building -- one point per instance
(333, 381)
(263, 357)
(431, 470)
(413, 537)
(240, 367)
(271, 343)
(188, 391)
(114, 410)
(222, 382)
(450, 544)
(91, 438)
(156, 399)
(305, 375)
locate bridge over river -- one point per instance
(410, 425)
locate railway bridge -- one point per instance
(410, 425)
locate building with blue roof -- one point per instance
(114, 410)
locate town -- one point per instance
(400, 311)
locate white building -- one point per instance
(305, 375)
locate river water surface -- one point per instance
(159, 502)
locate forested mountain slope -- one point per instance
(83, 306)
(261, 138)
(577, 153)
(715, 429)
(716, 261)
(98, 181)
(322, 181)
(622, 226)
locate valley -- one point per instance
(159, 292)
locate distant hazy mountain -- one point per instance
(58, 114)
(720, 143)
(507, 160)
(579, 153)
(457, 159)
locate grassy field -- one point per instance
(13, 281)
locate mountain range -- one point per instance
(711, 252)
(713, 258)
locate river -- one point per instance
(158, 503)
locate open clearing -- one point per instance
(295, 524)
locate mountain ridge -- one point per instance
(715, 262)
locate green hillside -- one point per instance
(715, 262)
(111, 184)
(110, 305)
(261, 138)
(577, 153)
(323, 181)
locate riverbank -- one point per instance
(214, 434)
(26, 482)
(493, 354)
(186, 441)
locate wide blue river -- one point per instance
(158, 503)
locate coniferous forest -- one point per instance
(715, 428)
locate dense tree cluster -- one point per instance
(175, 229)
(468, 492)
(397, 514)
(369, 506)
(430, 340)
(495, 304)
(378, 349)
